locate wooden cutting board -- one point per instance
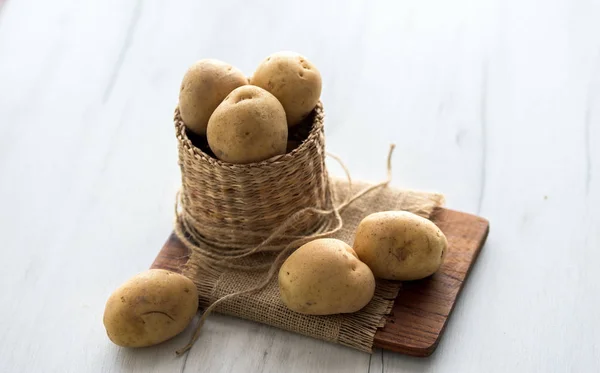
(422, 308)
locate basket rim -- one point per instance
(276, 160)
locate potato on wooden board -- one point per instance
(204, 86)
(399, 245)
(325, 277)
(294, 80)
(248, 126)
(150, 308)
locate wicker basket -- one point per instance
(241, 199)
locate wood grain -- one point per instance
(494, 103)
(422, 308)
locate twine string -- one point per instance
(331, 222)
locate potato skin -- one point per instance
(325, 277)
(248, 126)
(205, 84)
(150, 308)
(294, 80)
(399, 245)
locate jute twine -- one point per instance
(223, 259)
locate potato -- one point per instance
(399, 245)
(294, 80)
(248, 126)
(204, 86)
(325, 277)
(150, 308)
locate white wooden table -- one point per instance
(494, 103)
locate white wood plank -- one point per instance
(529, 305)
(78, 216)
(496, 104)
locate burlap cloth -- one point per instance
(356, 330)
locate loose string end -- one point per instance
(389, 163)
(196, 334)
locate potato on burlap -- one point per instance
(399, 245)
(150, 308)
(204, 86)
(294, 80)
(325, 277)
(248, 126)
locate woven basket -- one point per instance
(246, 202)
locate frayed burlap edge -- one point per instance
(356, 330)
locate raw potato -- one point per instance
(325, 277)
(204, 86)
(399, 245)
(150, 308)
(294, 80)
(248, 126)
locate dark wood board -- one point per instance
(422, 308)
